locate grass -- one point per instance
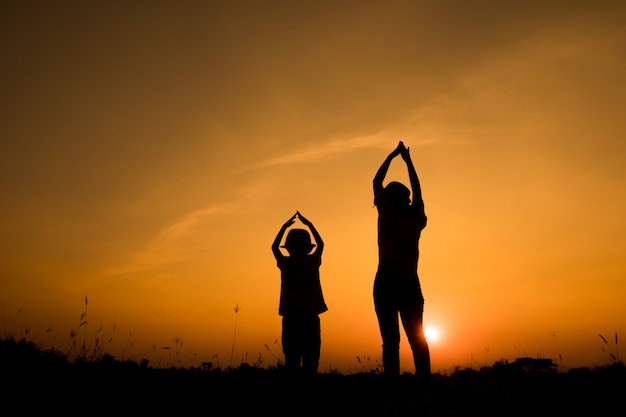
(613, 352)
(96, 381)
(84, 377)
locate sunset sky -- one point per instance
(151, 150)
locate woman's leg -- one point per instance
(412, 321)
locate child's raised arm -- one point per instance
(275, 245)
(316, 236)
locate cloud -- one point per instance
(169, 245)
(314, 153)
(336, 147)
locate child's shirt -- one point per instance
(300, 288)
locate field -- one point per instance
(42, 381)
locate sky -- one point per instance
(151, 150)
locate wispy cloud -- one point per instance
(326, 150)
(180, 228)
(168, 245)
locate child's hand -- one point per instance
(303, 219)
(291, 220)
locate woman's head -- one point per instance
(398, 193)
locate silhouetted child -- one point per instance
(301, 298)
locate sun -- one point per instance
(431, 333)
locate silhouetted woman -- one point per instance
(397, 289)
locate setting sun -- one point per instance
(431, 333)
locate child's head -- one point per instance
(298, 242)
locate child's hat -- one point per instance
(298, 238)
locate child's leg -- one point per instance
(290, 340)
(312, 342)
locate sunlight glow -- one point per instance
(431, 333)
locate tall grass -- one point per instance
(612, 351)
(237, 309)
(85, 346)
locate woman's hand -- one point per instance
(400, 149)
(406, 156)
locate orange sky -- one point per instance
(151, 151)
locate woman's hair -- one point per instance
(397, 193)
